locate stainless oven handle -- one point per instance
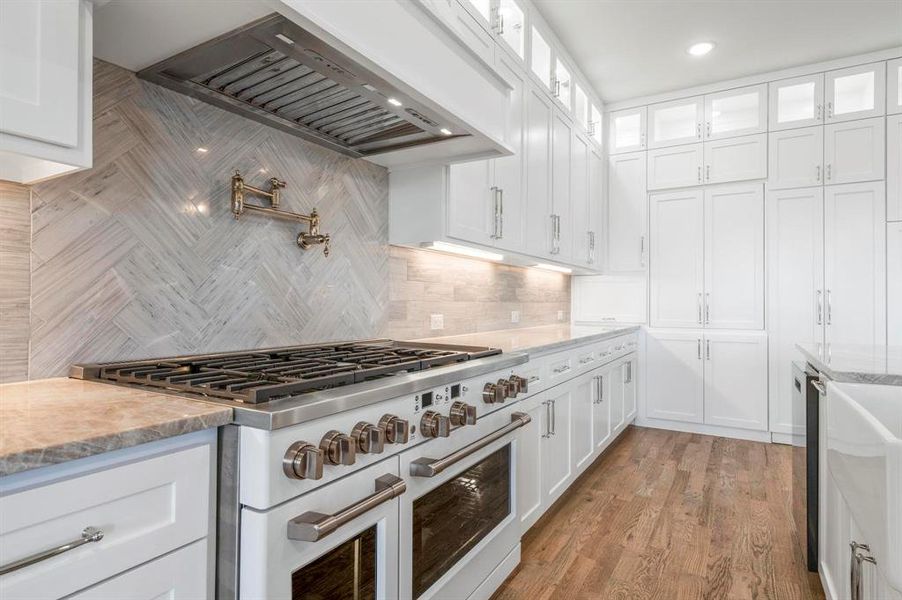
(88, 535)
(430, 467)
(313, 526)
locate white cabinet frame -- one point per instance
(795, 158)
(878, 101)
(760, 110)
(695, 105)
(854, 151)
(776, 88)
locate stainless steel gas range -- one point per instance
(371, 469)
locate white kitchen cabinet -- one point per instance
(674, 376)
(471, 198)
(509, 175)
(796, 102)
(562, 85)
(582, 230)
(45, 92)
(472, 23)
(795, 303)
(735, 375)
(854, 151)
(540, 57)
(855, 263)
(596, 207)
(616, 392)
(619, 298)
(530, 448)
(627, 201)
(736, 159)
(734, 257)
(595, 124)
(795, 158)
(677, 268)
(630, 395)
(894, 168)
(676, 122)
(674, 167)
(740, 111)
(581, 109)
(894, 86)
(557, 466)
(626, 130)
(561, 160)
(894, 283)
(539, 218)
(601, 409)
(511, 26)
(856, 92)
(585, 394)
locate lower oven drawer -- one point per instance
(355, 560)
(143, 509)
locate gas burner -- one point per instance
(260, 376)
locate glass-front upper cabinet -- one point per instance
(855, 93)
(483, 8)
(540, 57)
(511, 26)
(796, 102)
(626, 130)
(675, 122)
(742, 111)
(894, 87)
(581, 107)
(595, 124)
(563, 84)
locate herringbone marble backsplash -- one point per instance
(140, 256)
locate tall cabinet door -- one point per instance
(532, 439)
(538, 174)
(795, 284)
(616, 396)
(509, 175)
(626, 212)
(629, 389)
(894, 283)
(596, 206)
(795, 158)
(561, 157)
(854, 151)
(736, 380)
(674, 376)
(734, 257)
(894, 168)
(677, 258)
(855, 263)
(581, 225)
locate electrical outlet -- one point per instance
(437, 321)
(515, 316)
(560, 315)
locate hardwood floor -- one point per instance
(669, 515)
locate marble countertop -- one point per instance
(855, 363)
(536, 340)
(49, 421)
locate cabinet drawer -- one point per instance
(586, 359)
(560, 368)
(536, 375)
(181, 575)
(144, 509)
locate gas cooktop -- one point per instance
(260, 376)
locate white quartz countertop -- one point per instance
(536, 340)
(856, 363)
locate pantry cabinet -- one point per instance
(583, 212)
(674, 376)
(626, 130)
(736, 159)
(562, 244)
(894, 283)
(676, 122)
(736, 112)
(855, 93)
(675, 167)
(854, 151)
(509, 176)
(796, 102)
(627, 201)
(795, 158)
(894, 168)
(539, 218)
(894, 87)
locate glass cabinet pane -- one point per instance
(857, 92)
(738, 112)
(796, 102)
(562, 83)
(627, 130)
(675, 122)
(483, 7)
(348, 572)
(540, 58)
(595, 124)
(581, 106)
(511, 25)
(853, 93)
(453, 518)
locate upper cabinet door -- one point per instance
(561, 158)
(581, 224)
(470, 205)
(736, 159)
(736, 112)
(581, 108)
(675, 167)
(795, 158)
(481, 9)
(626, 130)
(509, 175)
(539, 228)
(595, 124)
(796, 102)
(854, 151)
(894, 87)
(540, 57)
(894, 168)
(511, 26)
(563, 84)
(675, 122)
(39, 63)
(626, 212)
(855, 93)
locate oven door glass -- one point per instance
(347, 572)
(451, 519)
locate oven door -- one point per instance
(338, 542)
(459, 515)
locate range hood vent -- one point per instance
(275, 72)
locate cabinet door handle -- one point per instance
(600, 385)
(820, 307)
(708, 349)
(547, 405)
(708, 128)
(699, 173)
(88, 535)
(698, 134)
(699, 347)
(699, 308)
(641, 250)
(707, 307)
(829, 308)
(817, 177)
(830, 110)
(553, 416)
(629, 372)
(855, 566)
(641, 139)
(707, 172)
(819, 112)
(829, 171)
(500, 213)
(500, 23)
(494, 191)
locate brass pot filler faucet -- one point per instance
(306, 239)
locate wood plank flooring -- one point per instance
(669, 515)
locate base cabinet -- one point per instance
(557, 465)
(674, 376)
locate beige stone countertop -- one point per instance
(537, 340)
(49, 421)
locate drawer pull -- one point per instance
(88, 535)
(562, 369)
(313, 526)
(586, 359)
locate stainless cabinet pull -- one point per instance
(707, 308)
(553, 416)
(830, 110)
(820, 112)
(629, 372)
(600, 385)
(561, 369)
(699, 173)
(641, 250)
(547, 405)
(698, 135)
(708, 349)
(817, 177)
(500, 213)
(829, 309)
(699, 308)
(829, 172)
(500, 23)
(313, 526)
(820, 308)
(699, 347)
(855, 567)
(88, 535)
(430, 467)
(707, 172)
(708, 128)
(494, 190)
(642, 139)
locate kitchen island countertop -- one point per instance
(856, 363)
(537, 340)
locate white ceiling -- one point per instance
(631, 48)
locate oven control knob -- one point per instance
(435, 425)
(463, 414)
(521, 382)
(492, 393)
(370, 438)
(303, 461)
(513, 387)
(397, 430)
(338, 448)
(505, 386)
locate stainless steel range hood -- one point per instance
(279, 74)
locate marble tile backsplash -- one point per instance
(140, 256)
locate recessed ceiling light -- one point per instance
(394, 102)
(463, 250)
(553, 268)
(445, 131)
(700, 49)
